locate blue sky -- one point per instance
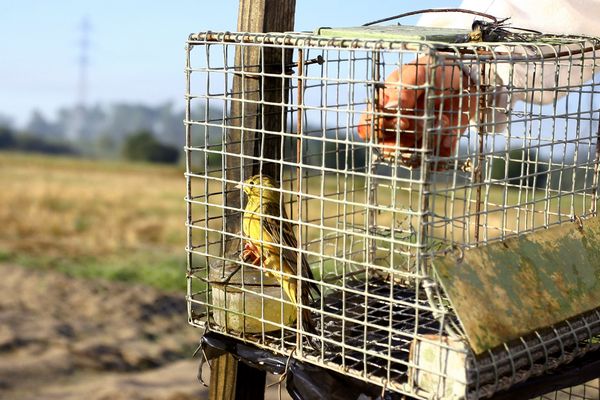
(137, 47)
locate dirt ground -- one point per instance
(66, 338)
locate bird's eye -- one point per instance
(251, 182)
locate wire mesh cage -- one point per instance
(382, 242)
(588, 391)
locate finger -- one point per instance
(413, 77)
(402, 91)
(366, 124)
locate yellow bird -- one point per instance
(272, 242)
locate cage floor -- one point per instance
(369, 328)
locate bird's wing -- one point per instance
(282, 232)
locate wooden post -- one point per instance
(246, 112)
(222, 377)
(231, 379)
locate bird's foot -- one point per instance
(250, 254)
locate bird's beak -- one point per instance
(238, 186)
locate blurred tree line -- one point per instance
(109, 125)
(26, 142)
(136, 132)
(520, 167)
(149, 133)
(143, 146)
(569, 170)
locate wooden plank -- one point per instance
(506, 290)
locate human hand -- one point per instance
(400, 110)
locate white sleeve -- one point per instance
(548, 16)
(541, 81)
(578, 17)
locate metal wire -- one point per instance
(433, 10)
(370, 220)
(587, 391)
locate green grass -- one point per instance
(159, 270)
(94, 219)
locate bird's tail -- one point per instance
(308, 323)
(310, 328)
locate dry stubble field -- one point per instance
(92, 302)
(93, 280)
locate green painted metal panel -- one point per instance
(508, 289)
(395, 32)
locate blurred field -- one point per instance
(63, 337)
(125, 221)
(122, 222)
(114, 220)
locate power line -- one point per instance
(77, 129)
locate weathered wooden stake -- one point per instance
(231, 379)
